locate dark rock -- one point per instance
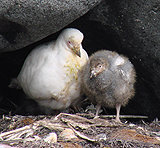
(25, 22)
(135, 32)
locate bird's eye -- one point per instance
(69, 42)
(100, 66)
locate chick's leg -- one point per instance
(97, 110)
(118, 107)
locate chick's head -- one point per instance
(97, 66)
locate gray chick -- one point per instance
(108, 80)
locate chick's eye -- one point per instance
(100, 66)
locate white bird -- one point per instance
(51, 73)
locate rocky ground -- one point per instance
(78, 130)
(130, 28)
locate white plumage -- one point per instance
(50, 74)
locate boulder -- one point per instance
(25, 22)
(133, 29)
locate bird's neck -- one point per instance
(61, 46)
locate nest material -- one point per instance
(29, 131)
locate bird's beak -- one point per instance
(93, 73)
(76, 50)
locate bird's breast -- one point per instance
(72, 66)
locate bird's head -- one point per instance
(73, 39)
(97, 66)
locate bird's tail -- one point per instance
(14, 84)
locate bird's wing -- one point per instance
(39, 55)
(125, 71)
(121, 67)
(34, 62)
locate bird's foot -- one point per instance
(118, 120)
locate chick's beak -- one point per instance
(76, 50)
(93, 73)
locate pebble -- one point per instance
(51, 138)
(67, 134)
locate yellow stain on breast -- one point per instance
(73, 65)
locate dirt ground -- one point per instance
(79, 130)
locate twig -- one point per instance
(75, 116)
(15, 131)
(125, 116)
(18, 132)
(52, 126)
(76, 124)
(16, 106)
(144, 123)
(81, 135)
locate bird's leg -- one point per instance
(97, 110)
(118, 107)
